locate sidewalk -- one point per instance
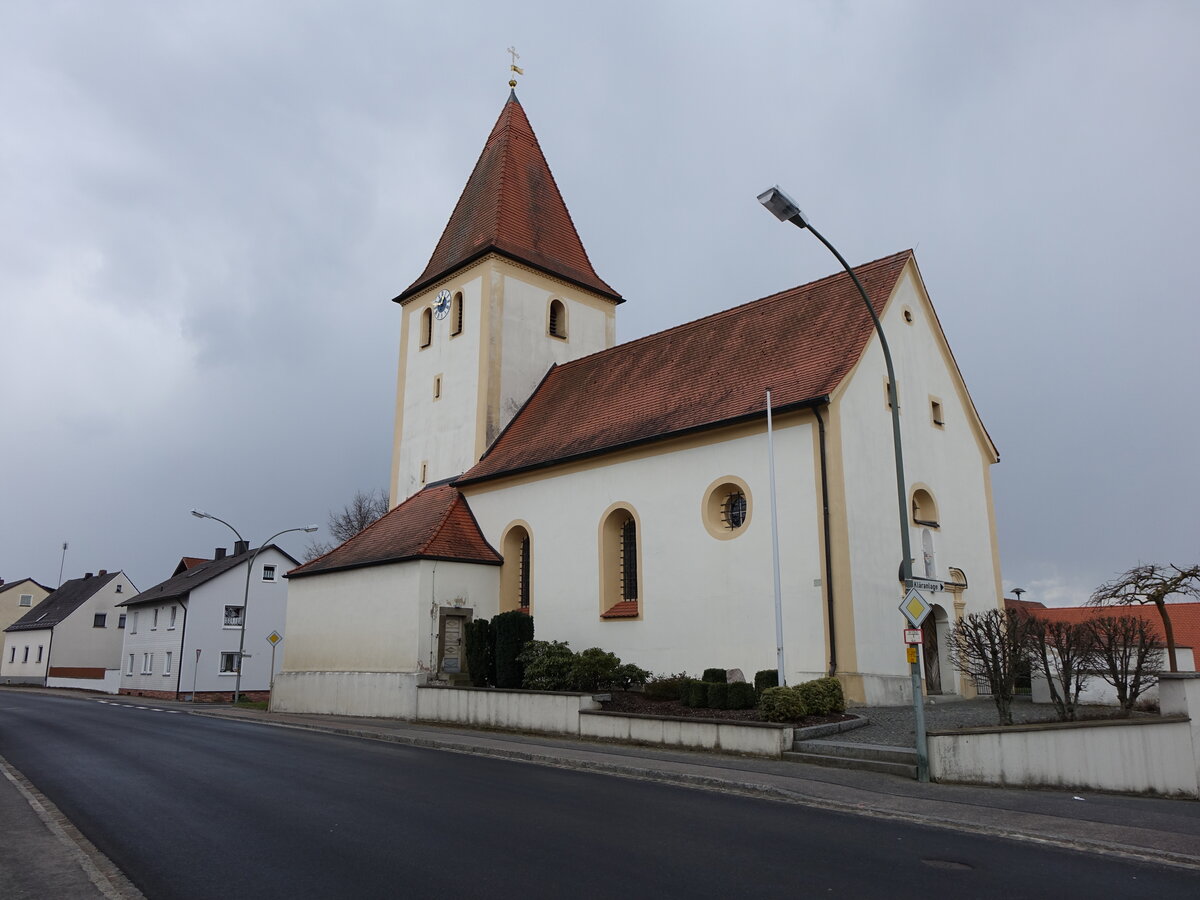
(1149, 829)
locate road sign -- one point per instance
(912, 654)
(912, 635)
(274, 638)
(932, 585)
(915, 607)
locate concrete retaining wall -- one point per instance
(391, 695)
(543, 711)
(1149, 755)
(749, 738)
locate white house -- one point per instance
(72, 638)
(621, 493)
(182, 636)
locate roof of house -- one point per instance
(179, 585)
(189, 562)
(800, 343)
(511, 205)
(435, 523)
(1185, 617)
(9, 585)
(61, 603)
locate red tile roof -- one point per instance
(626, 609)
(1185, 619)
(433, 524)
(511, 205)
(800, 343)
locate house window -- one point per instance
(456, 315)
(516, 576)
(121, 620)
(12, 657)
(99, 620)
(173, 610)
(233, 616)
(726, 508)
(268, 573)
(437, 387)
(229, 663)
(118, 590)
(41, 647)
(558, 319)
(924, 508)
(154, 623)
(167, 664)
(620, 565)
(426, 327)
(129, 668)
(147, 663)
(133, 630)
(25, 658)
(936, 413)
(27, 599)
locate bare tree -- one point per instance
(1128, 655)
(1150, 583)
(990, 647)
(361, 511)
(1065, 652)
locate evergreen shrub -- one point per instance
(548, 666)
(823, 696)
(767, 678)
(594, 667)
(782, 704)
(714, 676)
(514, 630)
(627, 675)
(695, 694)
(718, 695)
(741, 696)
(480, 663)
(666, 687)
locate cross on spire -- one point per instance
(513, 68)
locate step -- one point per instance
(904, 770)
(848, 750)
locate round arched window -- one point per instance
(726, 508)
(735, 509)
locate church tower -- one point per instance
(508, 292)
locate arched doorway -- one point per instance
(934, 631)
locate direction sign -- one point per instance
(912, 636)
(927, 584)
(274, 638)
(915, 607)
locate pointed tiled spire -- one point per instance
(512, 206)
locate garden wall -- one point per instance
(749, 738)
(549, 712)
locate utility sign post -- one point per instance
(915, 609)
(273, 639)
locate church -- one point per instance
(621, 493)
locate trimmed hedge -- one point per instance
(481, 660)
(741, 696)
(695, 694)
(666, 687)
(514, 630)
(718, 695)
(767, 678)
(782, 704)
(822, 696)
(714, 676)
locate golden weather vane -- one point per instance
(513, 68)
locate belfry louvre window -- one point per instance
(558, 319)
(456, 314)
(426, 327)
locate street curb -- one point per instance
(749, 789)
(101, 871)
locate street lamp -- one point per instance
(237, 684)
(783, 208)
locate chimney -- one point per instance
(219, 553)
(87, 575)
(240, 547)
(103, 572)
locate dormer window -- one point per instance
(558, 319)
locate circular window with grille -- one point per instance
(726, 509)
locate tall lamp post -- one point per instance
(783, 208)
(237, 684)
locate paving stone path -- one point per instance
(893, 725)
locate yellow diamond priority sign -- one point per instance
(915, 607)
(274, 638)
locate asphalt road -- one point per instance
(193, 807)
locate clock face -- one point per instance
(441, 305)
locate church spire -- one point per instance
(511, 206)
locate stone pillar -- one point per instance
(1179, 695)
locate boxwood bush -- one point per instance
(823, 696)
(714, 676)
(666, 687)
(718, 695)
(513, 631)
(782, 704)
(695, 694)
(741, 696)
(765, 679)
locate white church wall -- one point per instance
(445, 585)
(704, 602)
(949, 460)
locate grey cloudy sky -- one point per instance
(205, 209)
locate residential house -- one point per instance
(183, 634)
(72, 638)
(621, 493)
(18, 598)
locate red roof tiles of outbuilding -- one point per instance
(433, 524)
(800, 343)
(511, 205)
(1185, 618)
